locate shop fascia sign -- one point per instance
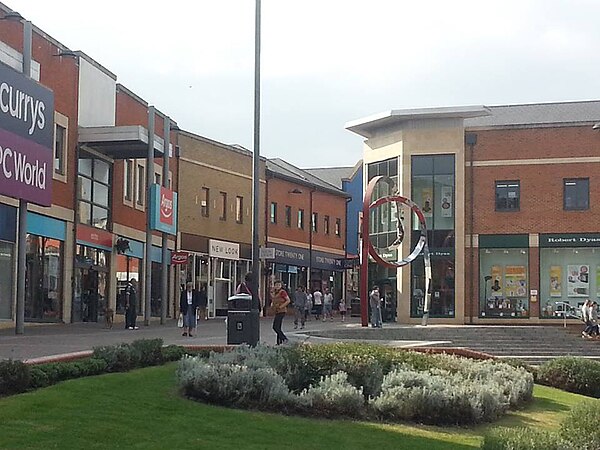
(224, 250)
(179, 258)
(26, 138)
(570, 240)
(163, 209)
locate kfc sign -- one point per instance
(163, 209)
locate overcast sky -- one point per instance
(326, 62)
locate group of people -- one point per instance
(589, 315)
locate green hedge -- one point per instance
(578, 375)
(14, 377)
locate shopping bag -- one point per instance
(180, 321)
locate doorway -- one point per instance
(89, 300)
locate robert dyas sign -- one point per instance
(26, 138)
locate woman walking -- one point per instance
(279, 302)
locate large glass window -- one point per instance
(432, 181)
(576, 193)
(6, 279)
(128, 267)
(568, 276)
(503, 283)
(44, 287)
(94, 192)
(508, 195)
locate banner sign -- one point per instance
(578, 280)
(570, 240)
(163, 209)
(26, 138)
(555, 281)
(266, 253)
(94, 237)
(179, 258)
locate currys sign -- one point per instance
(26, 138)
(163, 209)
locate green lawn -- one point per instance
(142, 409)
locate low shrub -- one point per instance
(149, 352)
(173, 353)
(578, 375)
(580, 427)
(524, 439)
(235, 385)
(47, 374)
(119, 358)
(334, 396)
(14, 377)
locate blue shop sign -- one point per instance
(46, 226)
(293, 256)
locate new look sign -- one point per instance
(26, 138)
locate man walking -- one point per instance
(375, 302)
(300, 300)
(327, 305)
(131, 305)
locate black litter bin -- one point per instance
(355, 307)
(242, 320)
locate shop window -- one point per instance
(273, 212)
(204, 202)
(6, 278)
(128, 180)
(301, 219)
(338, 227)
(503, 285)
(288, 216)
(315, 222)
(239, 209)
(140, 185)
(326, 224)
(223, 215)
(508, 195)
(576, 194)
(128, 267)
(568, 276)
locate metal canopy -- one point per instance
(120, 142)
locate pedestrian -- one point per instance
(188, 306)
(317, 303)
(595, 331)
(279, 302)
(327, 305)
(375, 302)
(342, 308)
(203, 302)
(300, 300)
(586, 317)
(308, 306)
(131, 300)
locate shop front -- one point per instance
(44, 274)
(129, 267)
(91, 274)
(8, 234)
(327, 273)
(569, 272)
(504, 276)
(290, 266)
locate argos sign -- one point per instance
(26, 138)
(163, 209)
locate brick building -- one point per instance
(306, 224)
(511, 202)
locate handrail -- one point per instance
(568, 311)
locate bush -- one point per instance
(580, 427)
(148, 352)
(578, 375)
(14, 377)
(235, 385)
(119, 358)
(172, 353)
(47, 374)
(523, 439)
(334, 396)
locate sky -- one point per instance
(327, 62)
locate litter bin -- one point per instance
(355, 307)
(242, 320)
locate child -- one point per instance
(342, 308)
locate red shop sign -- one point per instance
(179, 258)
(166, 206)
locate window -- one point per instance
(157, 178)
(204, 202)
(94, 192)
(140, 186)
(239, 209)
(576, 193)
(273, 212)
(60, 141)
(315, 222)
(128, 180)
(508, 195)
(288, 216)
(338, 227)
(223, 206)
(301, 219)
(326, 224)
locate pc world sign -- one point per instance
(26, 138)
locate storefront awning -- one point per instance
(121, 142)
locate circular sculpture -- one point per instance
(420, 247)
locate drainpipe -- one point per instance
(471, 140)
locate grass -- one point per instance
(142, 409)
